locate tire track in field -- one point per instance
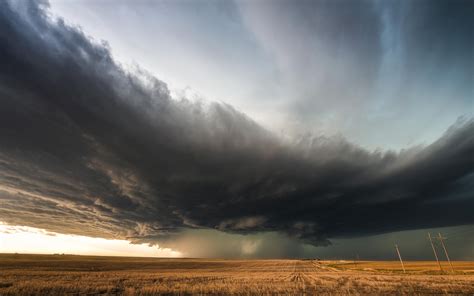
(301, 276)
(308, 275)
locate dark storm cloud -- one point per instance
(87, 147)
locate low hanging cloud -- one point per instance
(90, 148)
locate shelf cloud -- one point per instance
(89, 147)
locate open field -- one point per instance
(88, 275)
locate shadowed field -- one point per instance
(88, 275)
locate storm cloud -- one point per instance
(89, 147)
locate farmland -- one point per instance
(90, 275)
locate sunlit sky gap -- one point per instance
(30, 240)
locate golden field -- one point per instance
(91, 275)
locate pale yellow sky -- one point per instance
(22, 239)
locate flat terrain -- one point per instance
(88, 275)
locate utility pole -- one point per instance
(400, 257)
(434, 251)
(445, 251)
(355, 262)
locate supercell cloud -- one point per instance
(88, 147)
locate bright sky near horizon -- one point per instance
(30, 240)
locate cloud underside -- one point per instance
(90, 148)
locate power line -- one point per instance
(400, 257)
(445, 250)
(434, 251)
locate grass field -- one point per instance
(88, 275)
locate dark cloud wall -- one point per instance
(413, 244)
(90, 148)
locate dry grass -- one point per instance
(84, 275)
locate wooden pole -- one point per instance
(445, 251)
(400, 257)
(355, 260)
(434, 251)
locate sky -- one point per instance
(259, 129)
